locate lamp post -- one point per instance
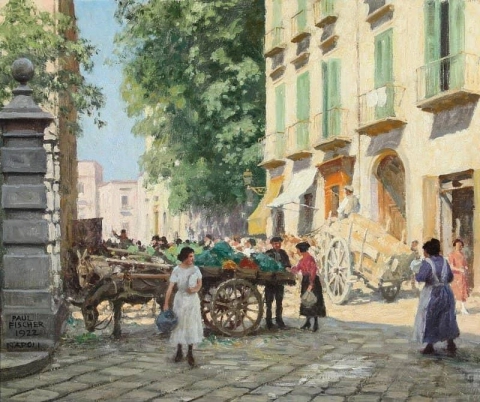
(247, 181)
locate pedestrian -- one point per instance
(415, 264)
(310, 282)
(458, 263)
(435, 320)
(248, 249)
(186, 304)
(276, 291)
(349, 204)
(123, 239)
(208, 242)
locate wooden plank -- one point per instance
(146, 276)
(133, 263)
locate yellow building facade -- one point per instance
(382, 96)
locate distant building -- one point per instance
(90, 178)
(119, 208)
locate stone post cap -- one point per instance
(22, 105)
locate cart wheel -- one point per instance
(206, 295)
(236, 307)
(338, 270)
(390, 292)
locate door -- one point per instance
(391, 196)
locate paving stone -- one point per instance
(36, 395)
(365, 398)
(119, 371)
(137, 396)
(272, 391)
(294, 398)
(4, 392)
(227, 392)
(253, 398)
(328, 398)
(68, 387)
(94, 378)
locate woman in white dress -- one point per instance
(186, 304)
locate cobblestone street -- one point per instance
(346, 360)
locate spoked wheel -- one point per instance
(206, 296)
(390, 292)
(338, 270)
(236, 307)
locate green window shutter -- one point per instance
(280, 108)
(432, 47)
(277, 13)
(332, 101)
(302, 18)
(384, 58)
(456, 32)
(327, 7)
(384, 72)
(303, 108)
(280, 120)
(325, 102)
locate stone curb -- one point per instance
(22, 364)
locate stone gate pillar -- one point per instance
(33, 310)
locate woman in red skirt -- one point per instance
(458, 263)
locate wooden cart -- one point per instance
(359, 249)
(231, 303)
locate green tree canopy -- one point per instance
(194, 78)
(51, 42)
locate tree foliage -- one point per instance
(194, 77)
(51, 42)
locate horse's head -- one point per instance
(90, 316)
(106, 289)
(86, 269)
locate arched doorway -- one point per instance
(390, 174)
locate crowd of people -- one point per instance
(444, 278)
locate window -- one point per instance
(279, 145)
(331, 98)
(124, 201)
(303, 109)
(80, 188)
(444, 40)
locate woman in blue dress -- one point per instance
(435, 320)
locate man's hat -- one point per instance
(276, 239)
(349, 188)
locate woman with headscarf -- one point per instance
(310, 282)
(435, 320)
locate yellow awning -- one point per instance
(257, 221)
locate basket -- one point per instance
(265, 275)
(246, 273)
(284, 276)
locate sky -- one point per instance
(113, 146)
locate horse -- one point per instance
(119, 289)
(91, 269)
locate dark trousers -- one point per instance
(274, 292)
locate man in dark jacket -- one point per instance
(274, 290)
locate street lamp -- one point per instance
(247, 180)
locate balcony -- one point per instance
(448, 82)
(274, 41)
(378, 10)
(324, 12)
(381, 110)
(298, 140)
(273, 147)
(299, 26)
(331, 130)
